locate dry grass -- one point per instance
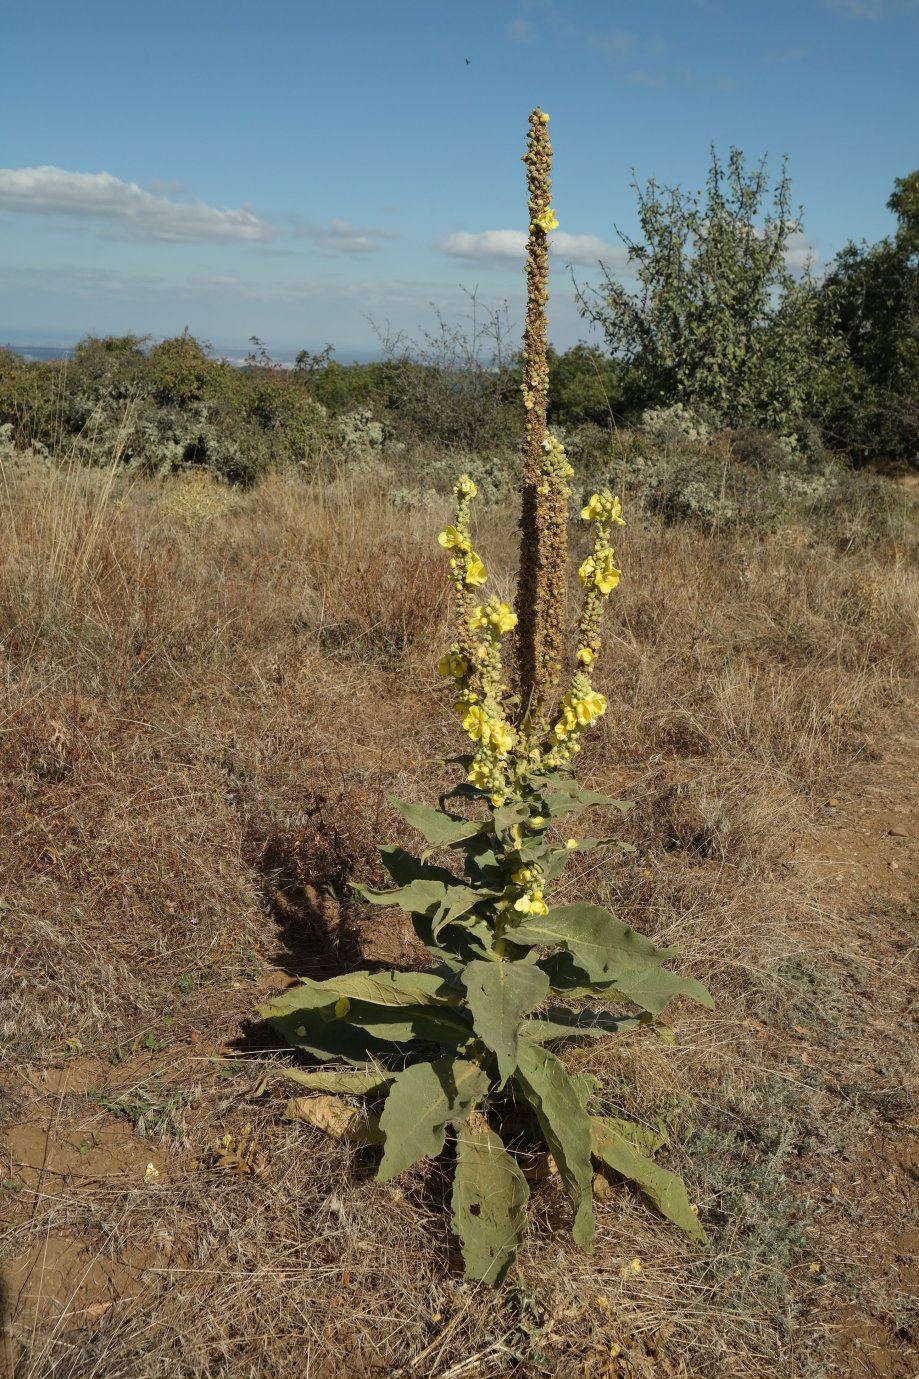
(206, 703)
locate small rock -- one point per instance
(894, 866)
(833, 802)
(897, 833)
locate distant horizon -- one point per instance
(61, 345)
(48, 345)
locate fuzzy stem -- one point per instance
(542, 580)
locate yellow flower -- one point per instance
(151, 1172)
(543, 117)
(478, 775)
(500, 735)
(589, 708)
(524, 904)
(522, 876)
(452, 665)
(475, 571)
(451, 540)
(502, 618)
(465, 488)
(497, 800)
(547, 220)
(585, 655)
(586, 572)
(475, 722)
(479, 619)
(342, 1006)
(537, 821)
(603, 505)
(571, 843)
(538, 906)
(606, 575)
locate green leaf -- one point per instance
(500, 994)
(641, 1137)
(380, 988)
(490, 1195)
(437, 827)
(450, 1027)
(509, 817)
(567, 797)
(320, 1018)
(328, 1039)
(610, 953)
(560, 1023)
(558, 858)
(425, 889)
(454, 944)
(434, 898)
(343, 1083)
(404, 867)
(566, 1126)
(422, 1101)
(664, 1189)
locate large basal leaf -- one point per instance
(665, 1189)
(611, 954)
(490, 1195)
(449, 1026)
(500, 994)
(439, 828)
(365, 1029)
(422, 1102)
(339, 1081)
(566, 1127)
(379, 988)
(328, 1039)
(641, 1137)
(559, 1023)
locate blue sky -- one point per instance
(290, 171)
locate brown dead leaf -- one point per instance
(95, 1310)
(335, 1117)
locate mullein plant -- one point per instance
(458, 1051)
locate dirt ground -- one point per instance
(861, 1052)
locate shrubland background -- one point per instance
(221, 609)
(715, 323)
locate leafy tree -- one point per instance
(586, 386)
(718, 322)
(871, 298)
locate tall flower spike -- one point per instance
(544, 518)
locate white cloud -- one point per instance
(496, 246)
(800, 253)
(500, 247)
(128, 211)
(339, 237)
